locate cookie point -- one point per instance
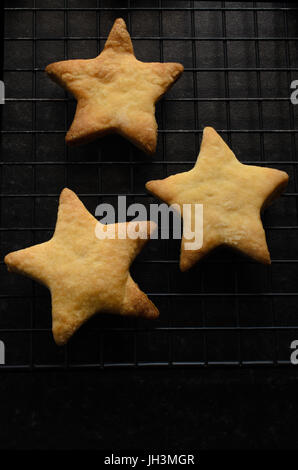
(186, 261)
(150, 147)
(61, 332)
(12, 261)
(150, 185)
(49, 67)
(66, 191)
(184, 266)
(59, 340)
(120, 21)
(65, 194)
(154, 312)
(284, 180)
(70, 139)
(285, 177)
(8, 260)
(118, 25)
(209, 131)
(179, 68)
(150, 311)
(267, 259)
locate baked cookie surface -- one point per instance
(115, 92)
(232, 195)
(85, 274)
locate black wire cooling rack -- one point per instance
(240, 59)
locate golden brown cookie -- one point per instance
(232, 194)
(85, 275)
(115, 92)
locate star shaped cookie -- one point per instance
(85, 274)
(232, 195)
(115, 92)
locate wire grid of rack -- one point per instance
(240, 59)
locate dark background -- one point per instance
(213, 372)
(151, 409)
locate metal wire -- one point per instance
(175, 340)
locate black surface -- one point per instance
(228, 310)
(178, 410)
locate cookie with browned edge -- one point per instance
(232, 195)
(84, 273)
(115, 92)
